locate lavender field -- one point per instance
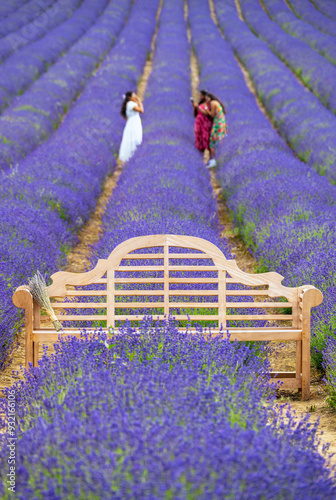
(152, 413)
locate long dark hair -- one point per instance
(202, 99)
(127, 98)
(214, 98)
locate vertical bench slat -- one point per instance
(222, 299)
(110, 310)
(166, 278)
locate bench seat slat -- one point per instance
(138, 292)
(50, 335)
(161, 280)
(154, 256)
(246, 293)
(284, 317)
(233, 293)
(288, 383)
(81, 317)
(86, 293)
(283, 375)
(136, 256)
(80, 305)
(182, 267)
(257, 304)
(212, 317)
(98, 305)
(134, 305)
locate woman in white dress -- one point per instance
(132, 135)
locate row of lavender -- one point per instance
(27, 12)
(307, 12)
(52, 192)
(27, 64)
(56, 14)
(322, 43)
(166, 416)
(314, 71)
(326, 7)
(286, 212)
(33, 116)
(158, 415)
(300, 117)
(7, 7)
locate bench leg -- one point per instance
(306, 369)
(36, 353)
(29, 354)
(299, 361)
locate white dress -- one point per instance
(132, 135)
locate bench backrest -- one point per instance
(182, 276)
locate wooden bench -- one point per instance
(188, 278)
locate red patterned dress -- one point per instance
(203, 126)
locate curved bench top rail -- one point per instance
(273, 280)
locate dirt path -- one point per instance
(290, 7)
(78, 259)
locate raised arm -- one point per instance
(213, 109)
(139, 106)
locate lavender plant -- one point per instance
(311, 15)
(26, 13)
(327, 8)
(311, 68)
(159, 414)
(9, 6)
(23, 67)
(321, 43)
(32, 31)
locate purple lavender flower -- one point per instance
(311, 15)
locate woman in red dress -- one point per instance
(203, 123)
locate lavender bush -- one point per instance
(34, 30)
(50, 194)
(9, 6)
(159, 414)
(298, 115)
(314, 71)
(26, 13)
(323, 44)
(327, 8)
(23, 67)
(311, 15)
